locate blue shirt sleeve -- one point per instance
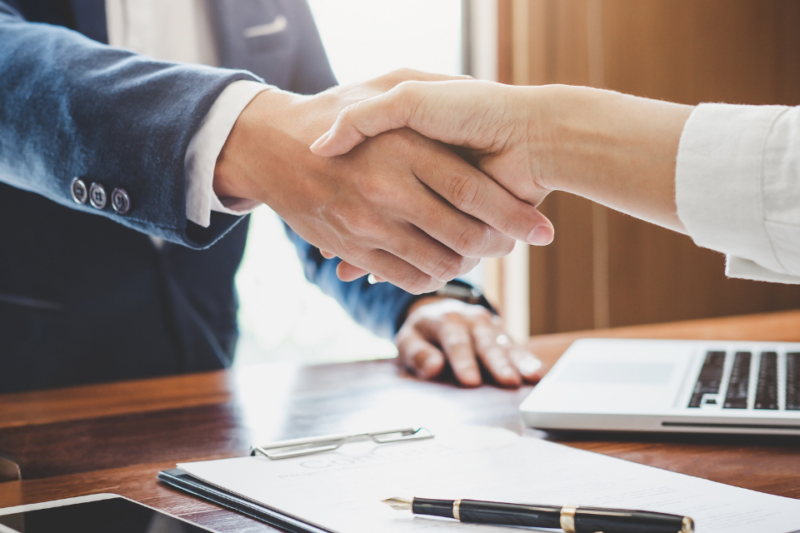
(379, 307)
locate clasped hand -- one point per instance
(400, 205)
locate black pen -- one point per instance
(570, 518)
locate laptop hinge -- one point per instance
(728, 426)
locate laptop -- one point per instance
(670, 386)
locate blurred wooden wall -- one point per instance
(608, 269)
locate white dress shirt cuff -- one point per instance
(204, 149)
(719, 186)
(736, 267)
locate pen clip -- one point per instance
(326, 443)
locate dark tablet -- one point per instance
(92, 514)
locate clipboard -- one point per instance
(182, 481)
(276, 451)
(342, 491)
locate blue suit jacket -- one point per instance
(84, 295)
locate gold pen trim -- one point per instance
(457, 510)
(567, 518)
(688, 525)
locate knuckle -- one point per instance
(465, 193)
(373, 190)
(420, 283)
(473, 240)
(360, 224)
(453, 333)
(449, 267)
(407, 89)
(397, 76)
(407, 73)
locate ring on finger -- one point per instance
(502, 340)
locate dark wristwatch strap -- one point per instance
(470, 295)
(458, 290)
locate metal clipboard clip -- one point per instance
(326, 443)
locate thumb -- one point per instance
(367, 118)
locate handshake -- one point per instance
(414, 177)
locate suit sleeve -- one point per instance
(73, 108)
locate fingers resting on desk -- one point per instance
(444, 332)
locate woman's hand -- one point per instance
(612, 148)
(489, 119)
(441, 332)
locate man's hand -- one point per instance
(401, 206)
(441, 331)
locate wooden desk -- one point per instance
(116, 437)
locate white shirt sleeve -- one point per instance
(204, 149)
(737, 187)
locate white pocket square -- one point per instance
(276, 26)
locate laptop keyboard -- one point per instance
(767, 390)
(710, 377)
(738, 388)
(739, 382)
(793, 381)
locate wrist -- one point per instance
(564, 133)
(615, 149)
(237, 173)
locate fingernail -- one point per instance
(541, 235)
(319, 142)
(507, 372)
(529, 365)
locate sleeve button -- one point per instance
(80, 193)
(97, 196)
(121, 201)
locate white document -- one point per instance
(342, 490)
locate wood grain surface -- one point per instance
(116, 437)
(606, 268)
